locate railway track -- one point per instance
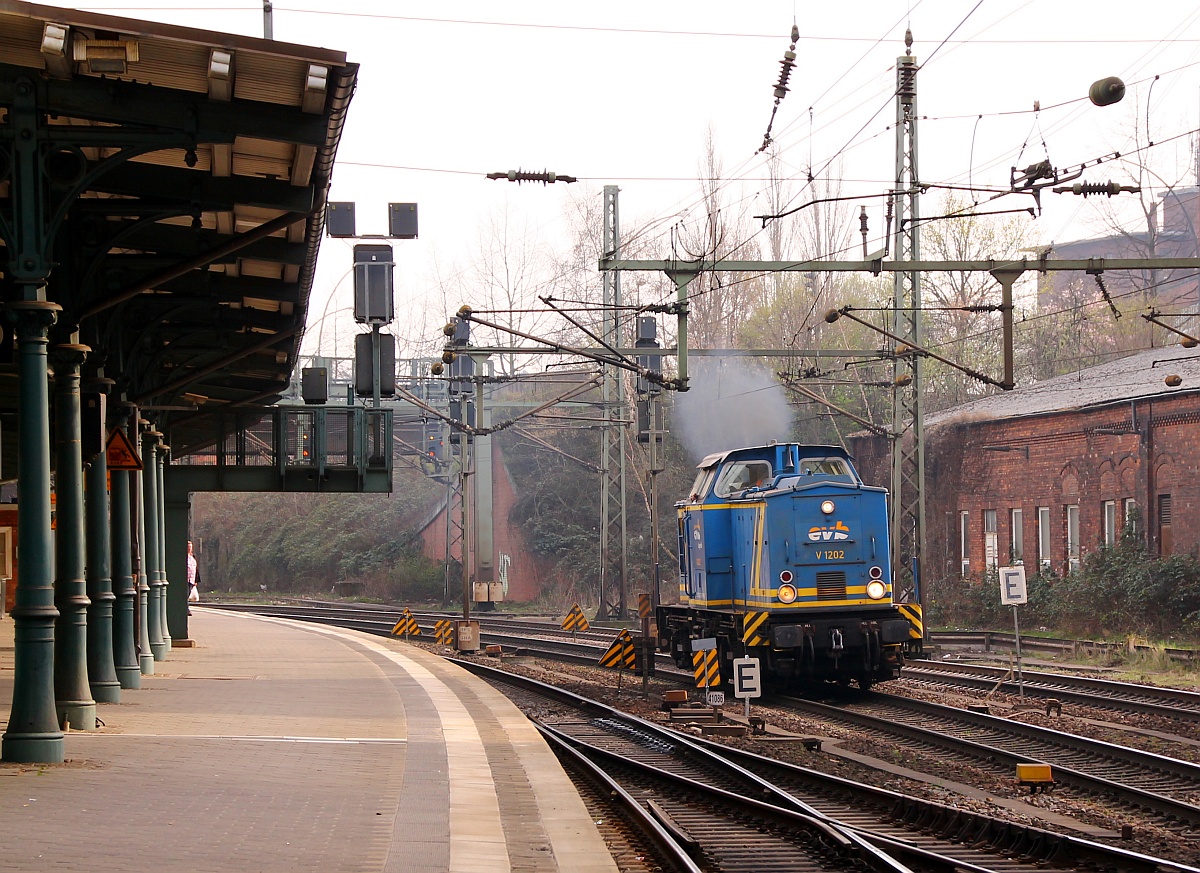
(968, 825)
(1086, 691)
(1165, 787)
(736, 811)
(541, 639)
(1005, 641)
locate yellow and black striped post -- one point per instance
(646, 613)
(443, 631)
(407, 625)
(575, 620)
(708, 672)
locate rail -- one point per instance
(1005, 641)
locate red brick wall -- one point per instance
(525, 579)
(8, 518)
(1135, 451)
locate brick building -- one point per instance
(525, 576)
(1047, 473)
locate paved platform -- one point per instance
(282, 746)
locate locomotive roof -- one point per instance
(808, 450)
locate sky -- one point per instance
(627, 93)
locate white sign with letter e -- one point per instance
(1012, 586)
(747, 681)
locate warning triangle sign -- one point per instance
(120, 453)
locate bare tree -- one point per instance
(720, 301)
(957, 319)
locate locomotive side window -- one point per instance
(741, 475)
(700, 486)
(824, 467)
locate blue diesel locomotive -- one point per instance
(784, 556)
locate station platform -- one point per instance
(276, 745)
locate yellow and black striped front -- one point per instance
(912, 611)
(755, 630)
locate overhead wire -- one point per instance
(944, 42)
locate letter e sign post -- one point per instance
(747, 680)
(1013, 592)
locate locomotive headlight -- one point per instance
(876, 590)
(787, 593)
(827, 507)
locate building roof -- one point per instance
(1131, 378)
(187, 173)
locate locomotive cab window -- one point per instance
(740, 475)
(824, 467)
(701, 485)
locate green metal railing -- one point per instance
(284, 448)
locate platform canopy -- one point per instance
(166, 187)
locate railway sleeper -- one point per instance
(990, 834)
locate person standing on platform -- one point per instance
(193, 578)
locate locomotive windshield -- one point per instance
(741, 475)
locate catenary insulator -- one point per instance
(1087, 189)
(1106, 92)
(546, 177)
(907, 89)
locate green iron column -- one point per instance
(72, 694)
(178, 520)
(101, 667)
(33, 734)
(150, 550)
(162, 454)
(124, 627)
(145, 649)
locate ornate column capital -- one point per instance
(70, 355)
(31, 317)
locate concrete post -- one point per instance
(33, 733)
(101, 668)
